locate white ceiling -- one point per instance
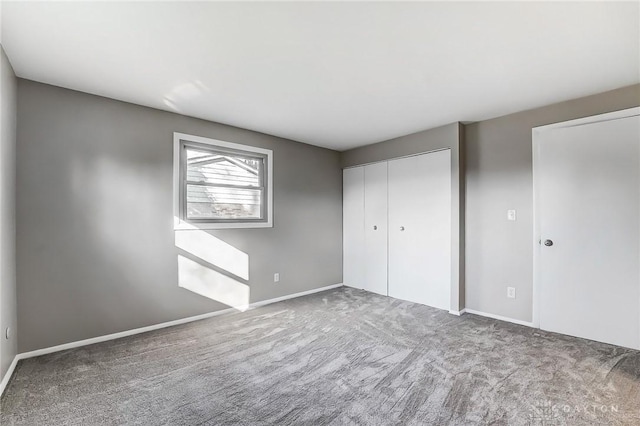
(337, 75)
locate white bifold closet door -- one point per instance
(353, 227)
(420, 229)
(397, 228)
(375, 228)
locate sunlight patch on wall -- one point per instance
(214, 251)
(212, 268)
(212, 284)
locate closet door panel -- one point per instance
(420, 229)
(375, 227)
(353, 227)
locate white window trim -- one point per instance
(178, 223)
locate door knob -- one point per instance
(402, 228)
(375, 228)
(548, 243)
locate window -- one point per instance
(221, 184)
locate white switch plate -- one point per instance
(511, 292)
(276, 277)
(511, 215)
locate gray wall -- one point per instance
(96, 252)
(8, 315)
(450, 136)
(499, 177)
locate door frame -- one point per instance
(538, 135)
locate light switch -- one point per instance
(511, 215)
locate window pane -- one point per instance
(207, 202)
(222, 169)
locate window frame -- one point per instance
(182, 141)
(185, 182)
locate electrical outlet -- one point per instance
(511, 292)
(511, 215)
(276, 277)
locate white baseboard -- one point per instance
(499, 317)
(293, 296)
(458, 313)
(8, 374)
(113, 336)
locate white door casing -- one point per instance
(587, 203)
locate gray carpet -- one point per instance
(342, 357)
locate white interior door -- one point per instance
(588, 214)
(420, 229)
(375, 227)
(353, 227)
